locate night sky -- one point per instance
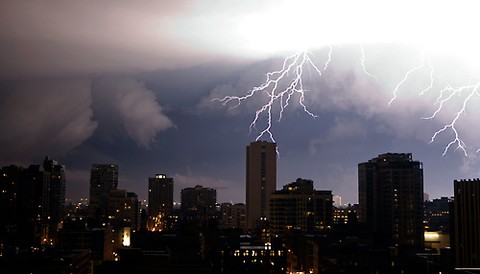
(132, 83)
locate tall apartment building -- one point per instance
(103, 179)
(466, 234)
(53, 198)
(390, 189)
(160, 195)
(32, 203)
(199, 202)
(261, 180)
(298, 206)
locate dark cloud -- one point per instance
(39, 118)
(125, 103)
(84, 37)
(169, 59)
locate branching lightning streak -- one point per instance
(330, 50)
(277, 92)
(280, 85)
(473, 90)
(279, 88)
(445, 96)
(412, 70)
(363, 64)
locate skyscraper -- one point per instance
(390, 189)
(21, 206)
(32, 203)
(261, 180)
(103, 179)
(466, 211)
(53, 201)
(160, 195)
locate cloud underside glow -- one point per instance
(437, 29)
(286, 26)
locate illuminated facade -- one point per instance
(345, 215)
(266, 258)
(261, 180)
(123, 209)
(391, 200)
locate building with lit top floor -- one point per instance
(160, 200)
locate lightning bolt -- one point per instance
(363, 64)
(279, 87)
(424, 59)
(446, 95)
(471, 91)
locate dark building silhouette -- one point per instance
(199, 202)
(160, 199)
(103, 179)
(20, 206)
(466, 211)
(437, 214)
(123, 209)
(261, 180)
(49, 261)
(76, 235)
(53, 198)
(391, 200)
(299, 207)
(32, 204)
(232, 215)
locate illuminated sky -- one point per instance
(132, 83)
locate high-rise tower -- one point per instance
(160, 195)
(466, 215)
(32, 203)
(103, 179)
(53, 197)
(261, 180)
(390, 189)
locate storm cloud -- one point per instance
(40, 118)
(125, 103)
(132, 83)
(52, 38)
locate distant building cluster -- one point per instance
(394, 228)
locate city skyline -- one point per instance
(176, 200)
(132, 84)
